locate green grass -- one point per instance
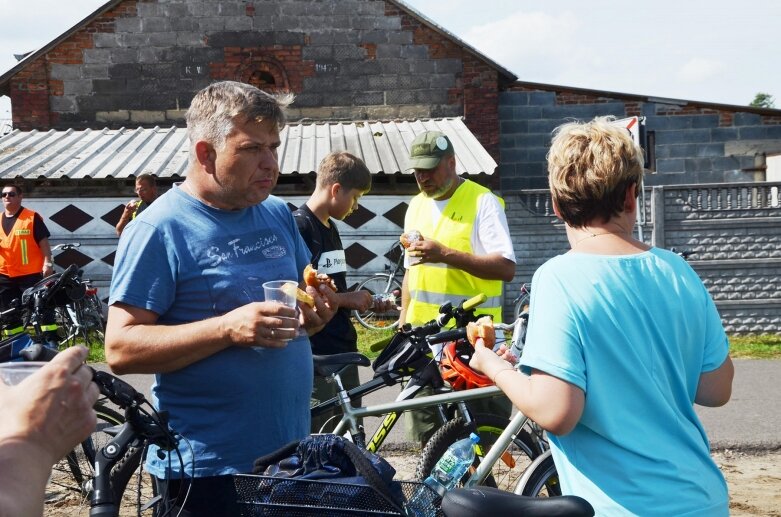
(367, 338)
(766, 346)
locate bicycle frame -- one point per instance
(392, 410)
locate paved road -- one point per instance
(751, 420)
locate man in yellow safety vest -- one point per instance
(466, 247)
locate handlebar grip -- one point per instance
(473, 302)
(118, 391)
(448, 335)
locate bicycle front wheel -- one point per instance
(382, 283)
(508, 469)
(542, 480)
(74, 472)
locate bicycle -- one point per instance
(386, 286)
(73, 472)
(537, 479)
(82, 319)
(406, 355)
(522, 302)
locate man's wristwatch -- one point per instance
(47, 263)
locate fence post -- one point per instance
(657, 216)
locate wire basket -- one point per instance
(289, 497)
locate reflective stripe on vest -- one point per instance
(20, 254)
(431, 285)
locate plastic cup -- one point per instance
(14, 373)
(284, 292)
(275, 291)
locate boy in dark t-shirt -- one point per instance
(341, 180)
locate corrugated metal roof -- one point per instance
(123, 153)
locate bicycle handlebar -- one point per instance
(473, 302)
(448, 335)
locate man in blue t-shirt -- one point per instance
(187, 303)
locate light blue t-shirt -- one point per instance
(634, 332)
(188, 262)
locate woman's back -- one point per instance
(634, 332)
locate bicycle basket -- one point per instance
(401, 356)
(270, 496)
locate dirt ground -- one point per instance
(754, 481)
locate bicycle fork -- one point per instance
(497, 451)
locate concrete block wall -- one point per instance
(694, 143)
(734, 230)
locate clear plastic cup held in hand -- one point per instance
(14, 373)
(281, 291)
(284, 292)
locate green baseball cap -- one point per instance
(428, 149)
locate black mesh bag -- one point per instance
(401, 357)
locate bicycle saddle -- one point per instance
(327, 365)
(468, 502)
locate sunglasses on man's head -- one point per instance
(9, 194)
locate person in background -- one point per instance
(466, 250)
(25, 258)
(623, 340)
(187, 303)
(146, 190)
(43, 418)
(341, 181)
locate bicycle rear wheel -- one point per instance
(506, 472)
(381, 283)
(542, 480)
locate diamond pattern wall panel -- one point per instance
(357, 256)
(71, 256)
(112, 217)
(396, 214)
(91, 222)
(359, 217)
(71, 218)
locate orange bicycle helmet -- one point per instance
(455, 368)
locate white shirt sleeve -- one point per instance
(490, 233)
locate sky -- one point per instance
(723, 51)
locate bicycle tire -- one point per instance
(542, 480)
(378, 284)
(74, 472)
(523, 450)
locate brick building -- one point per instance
(135, 62)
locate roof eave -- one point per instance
(655, 99)
(507, 74)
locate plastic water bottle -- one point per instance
(445, 475)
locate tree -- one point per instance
(763, 100)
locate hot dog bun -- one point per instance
(315, 279)
(484, 328)
(409, 237)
